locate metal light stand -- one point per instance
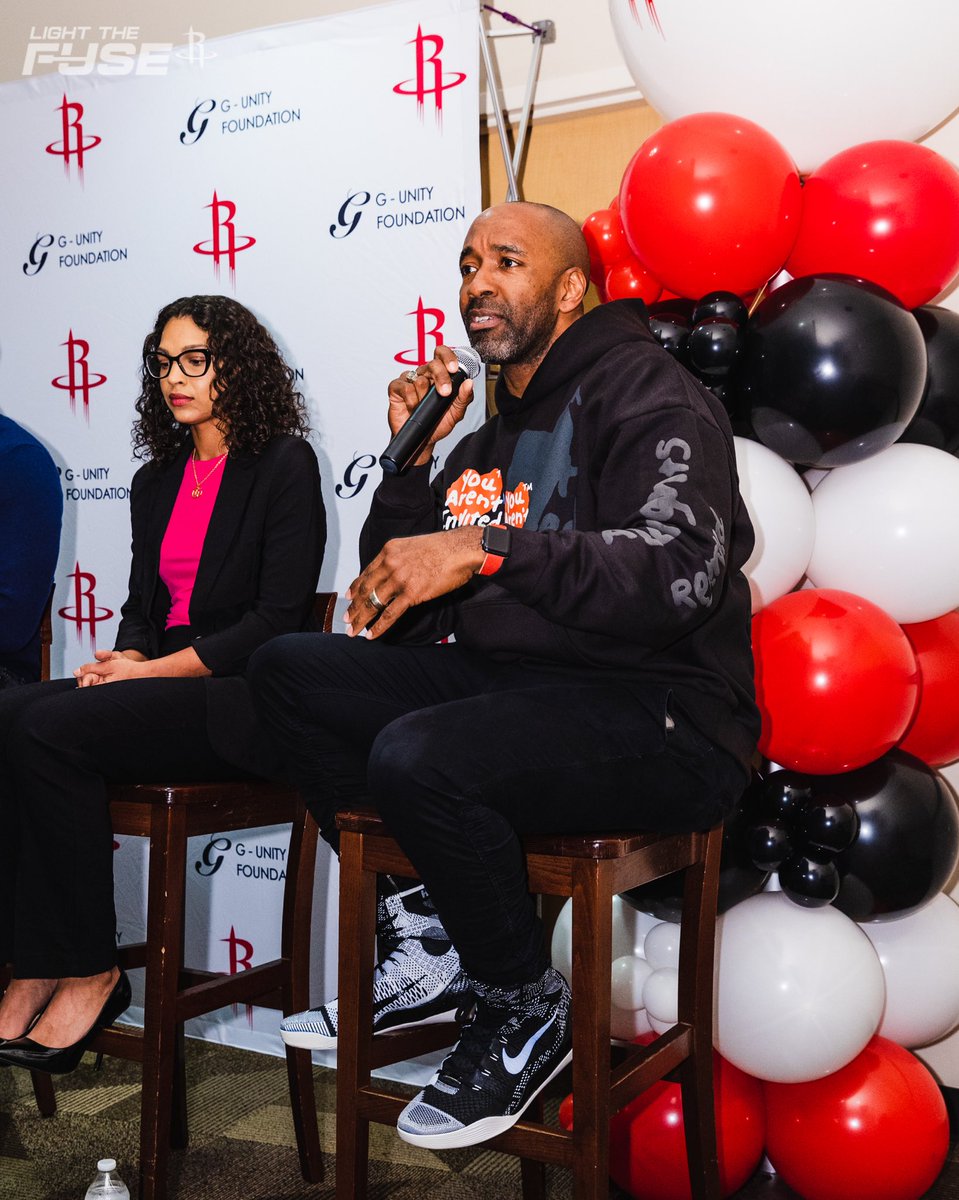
(542, 33)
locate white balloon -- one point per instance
(887, 529)
(626, 1024)
(661, 997)
(629, 977)
(814, 476)
(799, 990)
(920, 960)
(816, 75)
(660, 1026)
(661, 946)
(781, 511)
(629, 932)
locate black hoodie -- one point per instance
(617, 473)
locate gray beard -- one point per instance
(521, 341)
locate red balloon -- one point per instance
(877, 1127)
(606, 242)
(884, 211)
(647, 1139)
(631, 281)
(933, 735)
(836, 681)
(711, 202)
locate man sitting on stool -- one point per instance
(584, 547)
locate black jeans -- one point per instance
(59, 746)
(459, 754)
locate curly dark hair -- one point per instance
(254, 397)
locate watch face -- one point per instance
(496, 540)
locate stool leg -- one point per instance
(297, 921)
(696, 960)
(533, 1173)
(354, 1016)
(164, 961)
(43, 1092)
(592, 950)
(179, 1123)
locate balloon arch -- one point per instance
(806, 304)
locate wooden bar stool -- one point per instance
(169, 814)
(591, 870)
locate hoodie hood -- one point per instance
(586, 341)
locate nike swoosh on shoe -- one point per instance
(516, 1063)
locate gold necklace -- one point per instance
(198, 489)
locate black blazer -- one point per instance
(256, 577)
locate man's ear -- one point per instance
(573, 285)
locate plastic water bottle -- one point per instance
(107, 1183)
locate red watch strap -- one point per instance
(491, 564)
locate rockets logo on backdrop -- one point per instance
(241, 959)
(225, 244)
(429, 335)
(430, 78)
(79, 380)
(84, 613)
(74, 143)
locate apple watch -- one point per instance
(496, 547)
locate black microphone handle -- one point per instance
(410, 439)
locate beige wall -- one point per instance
(574, 162)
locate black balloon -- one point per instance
(808, 882)
(825, 828)
(738, 877)
(721, 304)
(713, 347)
(677, 306)
(908, 841)
(937, 421)
(769, 845)
(832, 370)
(782, 797)
(671, 330)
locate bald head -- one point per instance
(557, 232)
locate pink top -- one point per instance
(183, 541)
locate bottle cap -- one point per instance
(107, 1164)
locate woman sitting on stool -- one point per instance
(228, 536)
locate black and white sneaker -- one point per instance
(515, 1044)
(418, 982)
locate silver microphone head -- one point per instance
(469, 361)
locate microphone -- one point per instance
(409, 441)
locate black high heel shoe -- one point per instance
(25, 1052)
(7, 1041)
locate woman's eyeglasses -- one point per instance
(192, 363)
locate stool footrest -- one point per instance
(411, 1043)
(646, 1065)
(246, 987)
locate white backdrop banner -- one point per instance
(324, 173)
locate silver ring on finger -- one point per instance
(411, 375)
(374, 601)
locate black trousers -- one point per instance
(460, 754)
(59, 747)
